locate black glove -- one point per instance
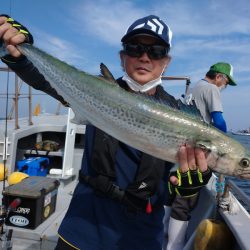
(29, 39)
(189, 183)
(22, 29)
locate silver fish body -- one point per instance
(141, 122)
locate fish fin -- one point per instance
(187, 106)
(163, 97)
(106, 74)
(190, 109)
(204, 145)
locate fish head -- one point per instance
(242, 165)
(233, 163)
(228, 158)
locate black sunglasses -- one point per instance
(153, 51)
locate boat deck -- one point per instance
(44, 237)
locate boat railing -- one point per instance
(242, 197)
(186, 78)
(17, 95)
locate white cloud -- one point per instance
(59, 48)
(222, 45)
(107, 20)
(205, 18)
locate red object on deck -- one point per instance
(149, 207)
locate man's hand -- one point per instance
(193, 172)
(13, 33)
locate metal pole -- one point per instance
(13, 104)
(175, 78)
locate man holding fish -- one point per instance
(118, 202)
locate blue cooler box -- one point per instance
(34, 166)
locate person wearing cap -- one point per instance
(118, 201)
(206, 94)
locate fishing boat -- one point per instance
(17, 143)
(243, 132)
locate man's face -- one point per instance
(143, 69)
(221, 80)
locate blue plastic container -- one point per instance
(34, 166)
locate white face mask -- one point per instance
(137, 87)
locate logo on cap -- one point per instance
(154, 26)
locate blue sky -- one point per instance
(86, 32)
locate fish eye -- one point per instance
(245, 163)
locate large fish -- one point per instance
(136, 120)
